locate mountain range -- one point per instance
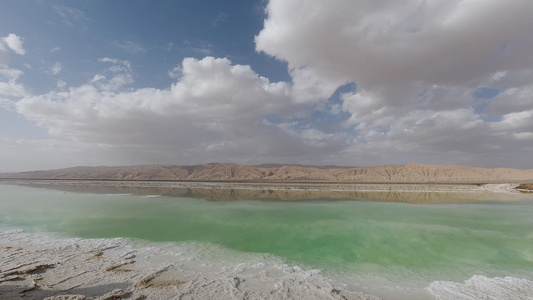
(407, 173)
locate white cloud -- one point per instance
(117, 82)
(200, 47)
(515, 121)
(27, 155)
(97, 78)
(514, 99)
(71, 16)
(393, 42)
(10, 89)
(214, 112)
(436, 126)
(175, 72)
(365, 107)
(416, 65)
(129, 46)
(528, 136)
(4, 55)
(61, 84)
(14, 42)
(120, 75)
(396, 44)
(118, 64)
(310, 87)
(56, 68)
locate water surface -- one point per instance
(394, 241)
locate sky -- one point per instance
(314, 82)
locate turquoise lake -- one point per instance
(480, 235)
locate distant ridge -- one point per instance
(407, 173)
(298, 165)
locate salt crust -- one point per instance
(482, 287)
(38, 266)
(41, 266)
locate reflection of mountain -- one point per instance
(412, 194)
(233, 172)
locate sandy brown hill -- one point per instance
(235, 172)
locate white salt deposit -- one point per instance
(37, 266)
(42, 266)
(482, 287)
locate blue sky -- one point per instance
(281, 81)
(154, 35)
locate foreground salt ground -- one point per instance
(37, 267)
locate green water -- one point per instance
(435, 242)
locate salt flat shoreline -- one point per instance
(428, 193)
(40, 266)
(265, 182)
(505, 187)
(35, 266)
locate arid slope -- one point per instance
(418, 173)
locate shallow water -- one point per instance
(393, 243)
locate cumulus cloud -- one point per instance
(514, 99)
(14, 42)
(119, 75)
(10, 42)
(416, 68)
(440, 131)
(517, 121)
(215, 111)
(8, 83)
(390, 42)
(416, 65)
(10, 88)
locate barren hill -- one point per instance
(234, 172)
